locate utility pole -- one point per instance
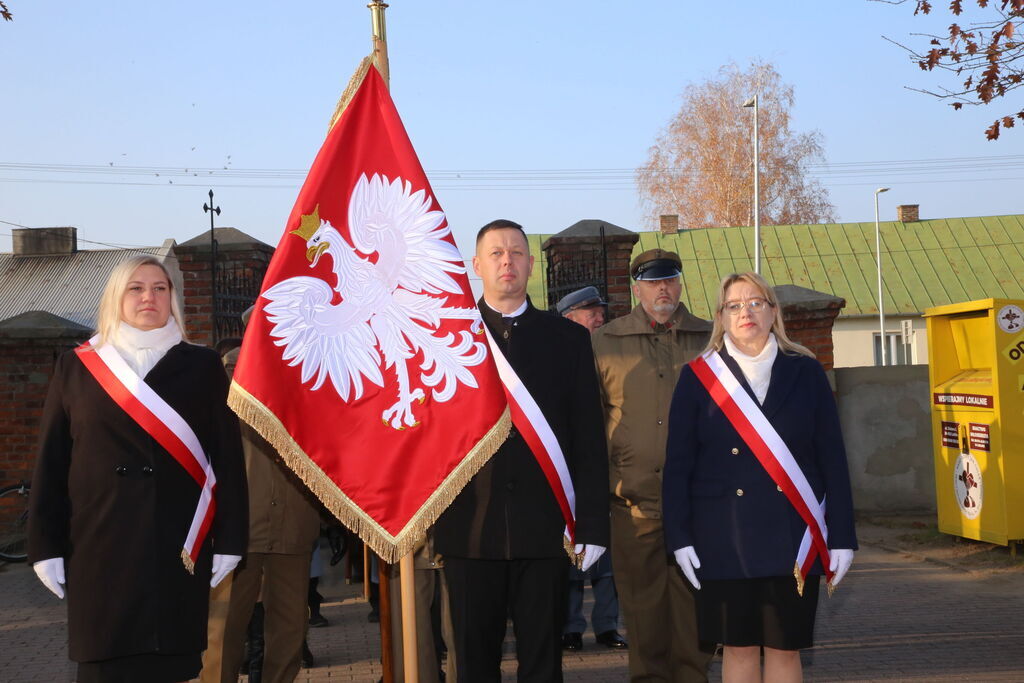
(752, 103)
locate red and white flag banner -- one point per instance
(162, 422)
(771, 451)
(364, 362)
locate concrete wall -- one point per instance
(886, 420)
(853, 339)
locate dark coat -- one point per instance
(111, 501)
(717, 496)
(507, 511)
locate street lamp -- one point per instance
(752, 102)
(878, 252)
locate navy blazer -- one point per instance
(718, 498)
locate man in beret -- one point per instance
(586, 307)
(639, 357)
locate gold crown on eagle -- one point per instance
(308, 224)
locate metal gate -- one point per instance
(583, 266)
(235, 288)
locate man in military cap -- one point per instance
(639, 357)
(584, 306)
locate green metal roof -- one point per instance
(924, 263)
(537, 286)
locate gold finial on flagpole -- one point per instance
(380, 39)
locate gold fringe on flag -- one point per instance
(388, 547)
(350, 90)
(186, 560)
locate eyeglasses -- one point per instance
(755, 304)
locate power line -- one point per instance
(492, 179)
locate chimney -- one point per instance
(669, 224)
(907, 213)
(45, 241)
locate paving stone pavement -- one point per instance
(895, 618)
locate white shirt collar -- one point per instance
(514, 314)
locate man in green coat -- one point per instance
(639, 357)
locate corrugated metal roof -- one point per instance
(66, 285)
(924, 263)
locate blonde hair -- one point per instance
(786, 344)
(109, 316)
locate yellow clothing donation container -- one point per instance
(976, 373)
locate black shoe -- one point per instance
(610, 639)
(307, 656)
(317, 621)
(373, 617)
(572, 641)
(254, 645)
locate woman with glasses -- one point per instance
(757, 502)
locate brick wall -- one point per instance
(809, 317)
(26, 365)
(247, 260)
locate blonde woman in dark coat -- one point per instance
(731, 506)
(125, 519)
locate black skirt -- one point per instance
(763, 611)
(144, 668)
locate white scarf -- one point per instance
(757, 369)
(142, 349)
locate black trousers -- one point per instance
(484, 594)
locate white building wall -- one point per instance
(853, 339)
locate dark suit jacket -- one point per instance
(717, 496)
(112, 502)
(507, 511)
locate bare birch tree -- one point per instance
(701, 165)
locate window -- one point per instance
(895, 349)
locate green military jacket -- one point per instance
(638, 364)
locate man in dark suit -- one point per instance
(502, 537)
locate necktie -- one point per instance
(507, 321)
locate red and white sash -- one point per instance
(164, 424)
(771, 451)
(531, 423)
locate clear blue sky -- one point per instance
(482, 86)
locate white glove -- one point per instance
(51, 573)
(591, 554)
(222, 566)
(839, 564)
(688, 561)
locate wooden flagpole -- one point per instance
(406, 565)
(407, 569)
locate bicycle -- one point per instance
(14, 522)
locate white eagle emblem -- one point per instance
(386, 314)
